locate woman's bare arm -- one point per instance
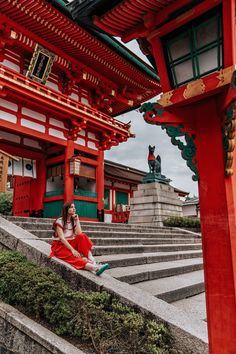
(60, 234)
(78, 229)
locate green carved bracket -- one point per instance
(151, 112)
(233, 81)
(188, 151)
(228, 132)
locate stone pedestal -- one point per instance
(152, 203)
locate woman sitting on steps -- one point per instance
(71, 245)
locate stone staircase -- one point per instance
(165, 262)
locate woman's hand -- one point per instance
(75, 253)
(75, 217)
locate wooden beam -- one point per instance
(184, 18)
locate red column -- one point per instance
(69, 179)
(160, 59)
(217, 206)
(100, 185)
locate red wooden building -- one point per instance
(61, 87)
(193, 45)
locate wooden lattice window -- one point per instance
(195, 50)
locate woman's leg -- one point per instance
(98, 269)
(92, 267)
(83, 244)
(91, 257)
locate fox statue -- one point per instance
(154, 163)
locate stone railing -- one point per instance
(20, 334)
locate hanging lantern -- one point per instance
(75, 163)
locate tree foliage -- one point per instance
(5, 203)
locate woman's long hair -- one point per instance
(64, 214)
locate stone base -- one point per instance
(155, 177)
(152, 203)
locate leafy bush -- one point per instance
(93, 317)
(5, 203)
(178, 221)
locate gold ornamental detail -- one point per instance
(194, 88)
(165, 99)
(225, 76)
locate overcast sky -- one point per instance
(134, 152)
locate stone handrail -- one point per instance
(20, 334)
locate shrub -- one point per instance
(94, 317)
(178, 221)
(5, 203)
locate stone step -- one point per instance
(102, 250)
(194, 305)
(44, 233)
(100, 241)
(84, 223)
(100, 227)
(94, 225)
(124, 260)
(176, 287)
(130, 234)
(123, 240)
(145, 272)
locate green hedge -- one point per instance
(95, 318)
(177, 221)
(6, 203)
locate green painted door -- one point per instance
(122, 198)
(106, 199)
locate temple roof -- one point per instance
(82, 11)
(118, 15)
(131, 19)
(82, 15)
(96, 57)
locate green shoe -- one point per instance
(102, 269)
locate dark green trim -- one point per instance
(123, 51)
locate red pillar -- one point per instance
(69, 179)
(218, 206)
(100, 185)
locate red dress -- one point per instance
(80, 243)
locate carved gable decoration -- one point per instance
(40, 64)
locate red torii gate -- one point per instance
(194, 47)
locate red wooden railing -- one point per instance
(120, 216)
